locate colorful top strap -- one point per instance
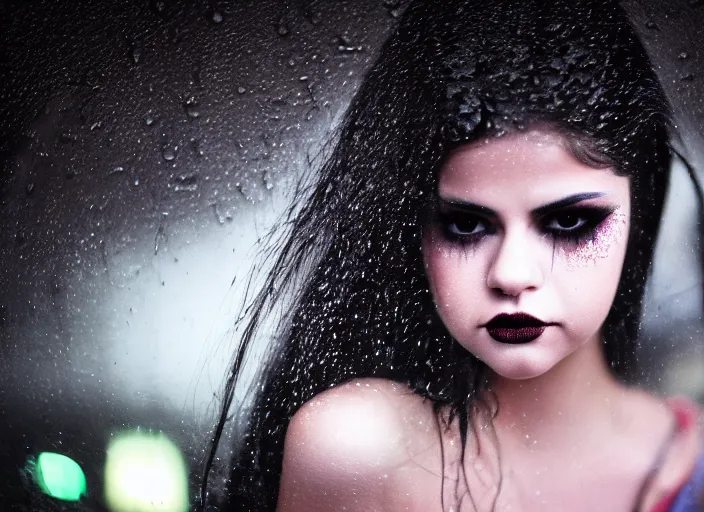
(689, 495)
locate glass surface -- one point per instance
(146, 147)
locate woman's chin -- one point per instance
(522, 366)
(518, 371)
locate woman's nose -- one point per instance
(515, 267)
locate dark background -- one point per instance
(145, 147)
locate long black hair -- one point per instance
(350, 267)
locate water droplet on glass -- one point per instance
(196, 146)
(160, 239)
(67, 138)
(149, 120)
(282, 29)
(186, 183)
(394, 7)
(268, 182)
(683, 56)
(241, 90)
(137, 53)
(191, 107)
(345, 45)
(116, 170)
(221, 216)
(169, 153)
(311, 113)
(158, 5)
(217, 17)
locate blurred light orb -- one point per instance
(59, 476)
(145, 472)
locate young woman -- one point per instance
(465, 282)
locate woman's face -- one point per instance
(521, 226)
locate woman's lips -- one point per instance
(515, 328)
(515, 335)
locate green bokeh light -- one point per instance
(60, 477)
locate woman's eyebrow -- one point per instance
(564, 202)
(470, 207)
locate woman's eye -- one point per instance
(465, 226)
(567, 222)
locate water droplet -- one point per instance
(217, 17)
(241, 90)
(311, 113)
(149, 120)
(117, 169)
(158, 6)
(221, 216)
(345, 45)
(137, 53)
(169, 153)
(683, 56)
(268, 182)
(196, 146)
(282, 29)
(67, 138)
(160, 239)
(191, 107)
(394, 7)
(29, 188)
(186, 183)
(96, 126)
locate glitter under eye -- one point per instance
(575, 226)
(598, 245)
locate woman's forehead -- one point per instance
(532, 163)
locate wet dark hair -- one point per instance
(351, 264)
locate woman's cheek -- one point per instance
(608, 244)
(450, 278)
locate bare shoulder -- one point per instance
(367, 423)
(358, 435)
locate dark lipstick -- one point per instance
(516, 328)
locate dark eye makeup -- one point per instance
(572, 226)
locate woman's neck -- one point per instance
(577, 399)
